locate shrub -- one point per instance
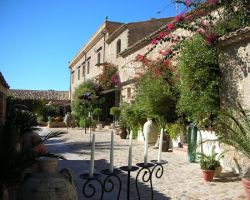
(156, 97)
(97, 112)
(132, 117)
(200, 78)
(50, 110)
(82, 103)
(85, 122)
(115, 111)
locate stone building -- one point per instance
(3, 93)
(121, 44)
(115, 43)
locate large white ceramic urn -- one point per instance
(150, 128)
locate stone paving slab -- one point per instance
(181, 180)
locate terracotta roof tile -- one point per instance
(49, 95)
(139, 30)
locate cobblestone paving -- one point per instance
(181, 180)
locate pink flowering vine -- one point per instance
(170, 26)
(211, 38)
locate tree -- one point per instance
(115, 112)
(84, 99)
(97, 112)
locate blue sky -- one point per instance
(39, 37)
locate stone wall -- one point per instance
(90, 57)
(235, 65)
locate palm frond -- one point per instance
(53, 134)
(233, 128)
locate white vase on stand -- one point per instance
(151, 129)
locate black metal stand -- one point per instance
(90, 188)
(148, 171)
(109, 181)
(108, 185)
(89, 185)
(125, 168)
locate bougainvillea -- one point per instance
(198, 19)
(109, 77)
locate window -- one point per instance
(118, 47)
(83, 69)
(78, 73)
(72, 77)
(88, 66)
(99, 58)
(128, 93)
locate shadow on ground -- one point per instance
(227, 177)
(79, 167)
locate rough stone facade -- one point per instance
(105, 42)
(235, 65)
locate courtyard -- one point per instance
(180, 180)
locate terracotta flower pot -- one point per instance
(208, 175)
(246, 185)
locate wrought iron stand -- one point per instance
(154, 168)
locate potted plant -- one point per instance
(210, 164)
(97, 112)
(132, 117)
(233, 128)
(115, 112)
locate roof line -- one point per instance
(3, 81)
(146, 40)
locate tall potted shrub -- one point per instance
(97, 112)
(115, 112)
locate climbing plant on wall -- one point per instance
(199, 81)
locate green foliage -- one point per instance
(233, 128)
(175, 129)
(97, 111)
(132, 117)
(209, 162)
(21, 119)
(155, 97)
(85, 122)
(235, 15)
(161, 121)
(115, 111)
(50, 110)
(80, 106)
(35, 106)
(200, 78)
